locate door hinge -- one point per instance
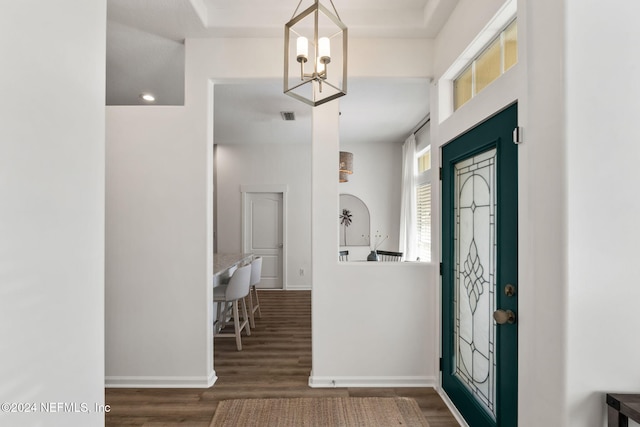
(517, 135)
(440, 365)
(440, 174)
(441, 269)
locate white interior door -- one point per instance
(263, 235)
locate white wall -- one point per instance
(542, 217)
(156, 250)
(464, 24)
(577, 294)
(252, 164)
(602, 208)
(376, 180)
(533, 82)
(160, 188)
(147, 138)
(52, 215)
(374, 324)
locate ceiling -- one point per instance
(145, 53)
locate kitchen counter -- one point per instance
(224, 262)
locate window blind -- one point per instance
(423, 201)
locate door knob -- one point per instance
(501, 317)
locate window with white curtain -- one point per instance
(423, 204)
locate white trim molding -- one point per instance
(160, 381)
(296, 288)
(506, 13)
(454, 411)
(334, 382)
(264, 188)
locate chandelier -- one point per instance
(315, 55)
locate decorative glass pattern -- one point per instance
(474, 276)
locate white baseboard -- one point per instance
(161, 382)
(456, 414)
(298, 288)
(386, 382)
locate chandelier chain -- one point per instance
(332, 5)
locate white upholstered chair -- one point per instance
(236, 290)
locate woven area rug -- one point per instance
(317, 412)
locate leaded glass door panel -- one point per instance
(479, 196)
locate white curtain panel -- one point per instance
(408, 208)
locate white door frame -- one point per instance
(267, 188)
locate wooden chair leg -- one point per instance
(251, 309)
(257, 301)
(221, 315)
(216, 321)
(236, 325)
(246, 321)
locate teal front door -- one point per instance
(479, 272)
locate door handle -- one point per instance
(501, 317)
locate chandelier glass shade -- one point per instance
(315, 55)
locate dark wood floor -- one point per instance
(275, 362)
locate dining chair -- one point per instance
(389, 256)
(236, 290)
(256, 273)
(343, 256)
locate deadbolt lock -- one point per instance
(509, 290)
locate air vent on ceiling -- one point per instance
(288, 115)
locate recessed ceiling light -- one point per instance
(147, 97)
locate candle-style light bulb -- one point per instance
(320, 68)
(324, 50)
(302, 49)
